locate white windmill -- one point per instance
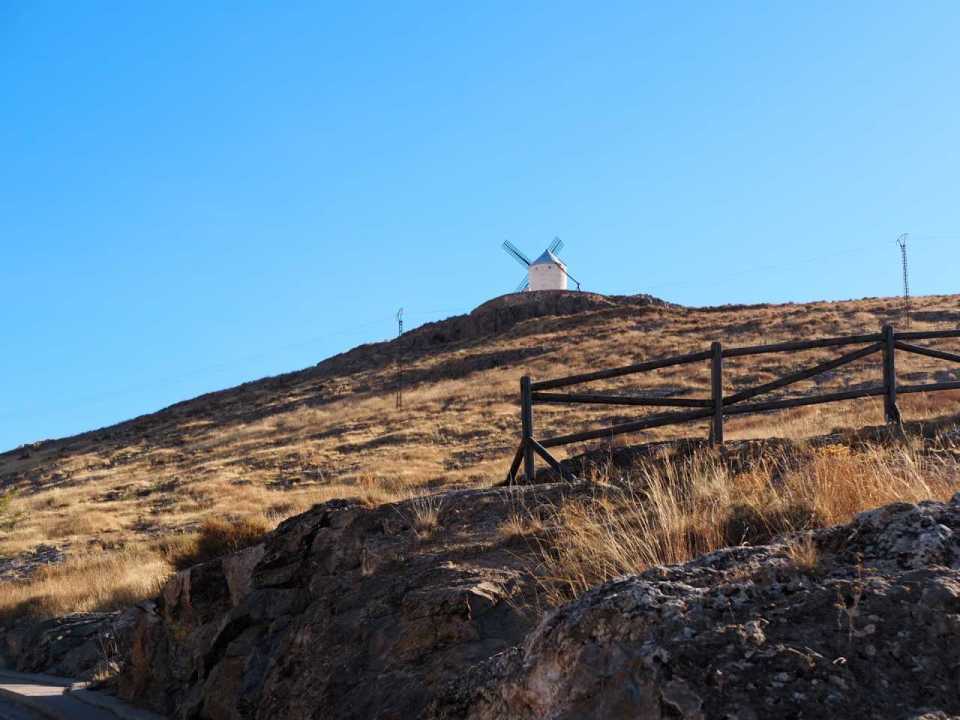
(547, 272)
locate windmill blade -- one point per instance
(523, 286)
(556, 246)
(515, 253)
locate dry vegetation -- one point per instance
(672, 510)
(86, 582)
(129, 503)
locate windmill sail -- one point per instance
(515, 253)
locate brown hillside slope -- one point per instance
(132, 497)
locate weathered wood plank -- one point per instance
(803, 374)
(515, 465)
(645, 401)
(953, 385)
(928, 334)
(716, 392)
(801, 345)
(621, 371)
(551, 460)
(876, 391)
(890, 410)
(647, 423)
(526, 422)
(929, 352)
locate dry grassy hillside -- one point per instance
(123, 503)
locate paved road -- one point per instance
(37, 697)
(11, 711)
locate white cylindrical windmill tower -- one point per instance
(547, 272)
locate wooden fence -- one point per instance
(718, 406)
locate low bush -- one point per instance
(215, 538)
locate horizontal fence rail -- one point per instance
(718, 406)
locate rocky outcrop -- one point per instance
(502, 313)
(24, 565)
(83, 646)
(490, 319)
(344, 612)
(418, 610)
(866, 628)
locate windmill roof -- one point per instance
(547, 258)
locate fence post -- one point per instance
(890, 410)
(716, 388)
(526, 418)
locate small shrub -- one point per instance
(425, 514)
(215, 538)
(520, 525)
(804, 553)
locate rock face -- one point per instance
(80, 646)
(869, 631)
(416, 610)
(344, 612)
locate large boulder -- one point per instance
(344, 612)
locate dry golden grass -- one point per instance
(804, 553)
(520, 524)
(87, 582)
(91, 522)
(273, 448)
(425, 514)
(111, 580)
(666, 513)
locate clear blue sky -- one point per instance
(195, 194)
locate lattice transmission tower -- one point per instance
(902, 242)
(399, 360)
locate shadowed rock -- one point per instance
(348, 612)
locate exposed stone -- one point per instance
(24, 565)
(346, 612)
(743, 633)
(81, 646)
